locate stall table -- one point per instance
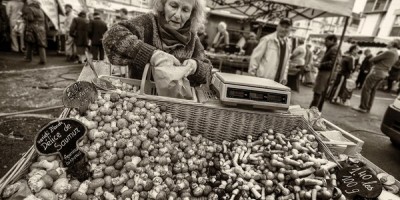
(229, 60)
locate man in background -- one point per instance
(70, 47)
(380, 70)
(364, 69)
(325, 69)
(4, 26)
(97, 28)
(251, 43)
(14, 13)
(270, 59)
(308, 65)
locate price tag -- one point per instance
(359, 182)
(103, 84)
(79, 95)
(60, 137)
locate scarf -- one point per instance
(172, 38)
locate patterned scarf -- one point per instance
(173, 38)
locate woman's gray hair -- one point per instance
(198, 16)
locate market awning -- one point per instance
(361, 40)
(51, 9)
(295, 9)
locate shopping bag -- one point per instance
(171, 81)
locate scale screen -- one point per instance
(256, 95)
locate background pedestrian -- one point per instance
(325, 69)
(70, 47)
(97, 28)
(394, 75)
(270, 59)
(365, 68)
(348, 65)
(308, 66)
(221, 39)
(14, 13)
(380, 70)
(79, 31)
(4, 26)
(251, 44)
(35, 31)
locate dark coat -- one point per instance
(327, 62)
(36, 25)
(347, 67)
(366, 64)
(79, 30)
(325, 68)
(4, 22)
(97, 28)
(132, 42)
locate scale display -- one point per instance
(256, 96)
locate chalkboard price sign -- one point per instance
(359, 182)
(79, 95)
(61, 137)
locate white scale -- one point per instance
(234, 89)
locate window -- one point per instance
(377, 5)
(380, 5)
(396, 27)
(370, 4)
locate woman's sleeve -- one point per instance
(227, 38)
(204, 66)
(72, 28)
(124, 45)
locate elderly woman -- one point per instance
(168, 35)
(221, 39)
(35, 30)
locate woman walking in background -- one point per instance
(80, 32)
(35, 31)
(347, 68)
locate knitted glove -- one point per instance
(161, 58)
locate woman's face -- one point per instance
(178, 12)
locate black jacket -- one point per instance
(4, 27)
(79, 31)
(97, 28)
(347, 65)
(366, 64)
(327, 62)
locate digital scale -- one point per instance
(234, 89)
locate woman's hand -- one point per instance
(161, 58)
(192, 65)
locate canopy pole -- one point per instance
(346, 22)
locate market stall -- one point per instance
(116, 139)
(232, 140)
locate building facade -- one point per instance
(380, 18)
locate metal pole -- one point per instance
(336, 60)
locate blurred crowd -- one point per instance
(24, 29)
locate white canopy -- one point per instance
(295, 9)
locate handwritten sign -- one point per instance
(103, 84)
(61, 137)
(79, 95)
(359, 182)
